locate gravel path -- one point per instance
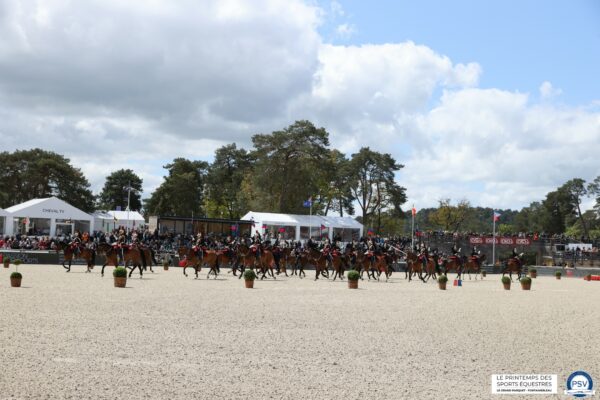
(73, 335)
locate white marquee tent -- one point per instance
(48, 217)
(297, 227)
(109, 220)
(3, 217)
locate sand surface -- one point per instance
(73, 335)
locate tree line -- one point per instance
(281, 171)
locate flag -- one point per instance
(414, 211)
(281, 230)
(234, 228)
(308, 203)
(496, 216)
(26, 221)
(323, 227)
(264, 226)
(370, 231)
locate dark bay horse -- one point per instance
(513, 264)
(71, 253)
(137, 257)
(319, 260)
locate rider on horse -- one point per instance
(76, 243)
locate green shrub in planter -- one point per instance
(442, 278)
(526, 280)
(16, 275)
(120, 272)
(17, 262)
(533, 270)
(558, 274)
(249, 275)
(353, 275)
(505, 280)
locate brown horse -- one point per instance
(338, 263)
(266, 261)
(129, 255)
(432, 267)
(453, 263)
(514, 264)
(71, 253)
(196, 258)
(282, 256)
(319, 260)
(474, 264)
(414, 266)
(298, 263)
(248, 258)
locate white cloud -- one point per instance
(134, 84)
(345, 31)
(547, 91)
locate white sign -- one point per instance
(524, 384)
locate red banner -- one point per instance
(508, 241)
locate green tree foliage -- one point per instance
(334, 188)
(36, 173)
(181, 193)
(288, 168)
(224, 180)
(115, 191)
(450, 218)
(372, 183)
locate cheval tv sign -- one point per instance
(508, 241)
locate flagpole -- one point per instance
(310, 219)
(494, 239)
(412, 232)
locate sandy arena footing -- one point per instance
(73, 335)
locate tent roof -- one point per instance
(3, 213)
(303, 220)
(126, 215)
(51, 207)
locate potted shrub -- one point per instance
(353, 277)
(249, 277)
(442, 280)
(558, 274)
(588, 277)
(15, 279)
(483, 273)
(526, 283)
(6, 262)
(165, 265)
(506, 282)
(120, 275)
(533, 272)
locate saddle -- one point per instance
(474, 258)
(454, 258)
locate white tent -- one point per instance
(297, 227)
(4, 216)
(128, 219)
(49, 217)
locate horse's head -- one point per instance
(182, 251)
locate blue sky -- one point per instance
(519, 44)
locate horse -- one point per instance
(85, 253)
(282, 257)
(473, 264)
(130, 255)
(338, 262)
(414, 266)
(453, 263)
(432, 267)
(247, 257)
(382, 265)
(366, 262)
(319, 260)
(266, 262)
(298, 261)
(513, 264)
(197, 258)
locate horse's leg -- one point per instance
(184, 268)
(102, 271)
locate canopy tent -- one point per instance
(128, 219)
(297, 227)
(3, 217)
(48, 217)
